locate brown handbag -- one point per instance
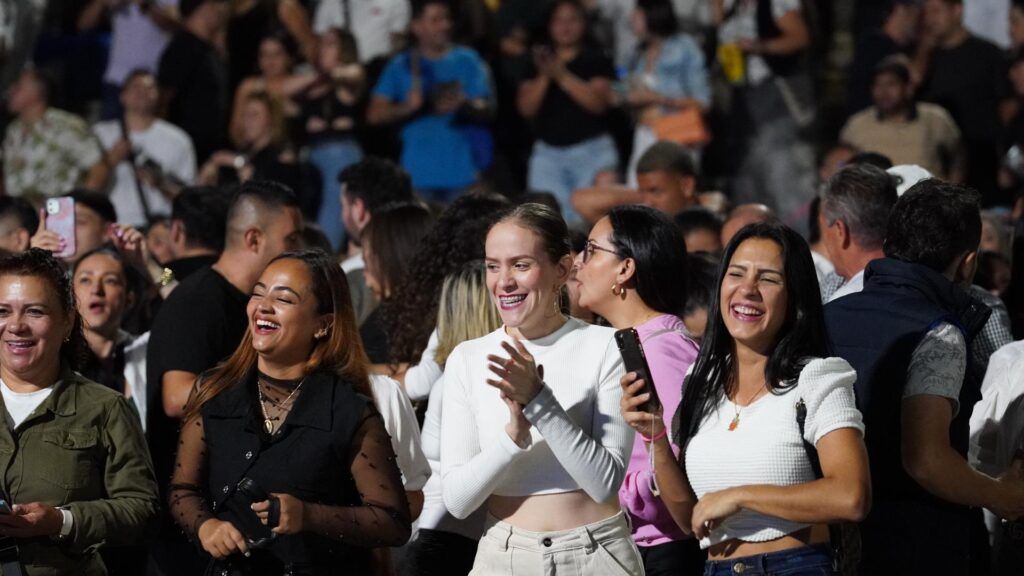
(684, 127)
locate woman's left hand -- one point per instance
(31, 520)
(292, 516)
(712, 509)
(518, 375)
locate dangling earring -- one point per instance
(616, 290)
(558, 300)
(320, 333)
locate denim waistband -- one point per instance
(771, 562)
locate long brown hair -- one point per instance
(340, 353)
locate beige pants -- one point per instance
(603, 548)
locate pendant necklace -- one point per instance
(268, 422)
(736, 419)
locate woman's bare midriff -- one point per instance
(551, 512)
(817, 534)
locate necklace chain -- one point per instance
(268, 422)
(736, 407)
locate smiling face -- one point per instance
(602, 269)
(101, 291)
(754, 298)
(32, 327)
(283, 314)
(521, 278)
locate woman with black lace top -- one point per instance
(291, 411)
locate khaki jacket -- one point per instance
(82, 449)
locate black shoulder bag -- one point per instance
(844, 537)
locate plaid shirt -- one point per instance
(995, 334)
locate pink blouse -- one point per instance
(670, 352)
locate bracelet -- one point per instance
(658, 436)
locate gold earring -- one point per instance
(616, 289)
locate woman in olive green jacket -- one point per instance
(73, 460)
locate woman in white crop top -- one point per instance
(745, 484)
(530, 426)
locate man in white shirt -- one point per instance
(156, 156)
(378, 25)
(140, 30)
(855, 206)
(997, 433)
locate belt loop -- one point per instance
(507, 536)
(589, 544)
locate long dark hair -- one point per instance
(657, 246)
(41, 264)
(456, 238)
(801, 337)
(394, 234)
(340, 353)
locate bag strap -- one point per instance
(834, 535)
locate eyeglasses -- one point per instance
(592, 247)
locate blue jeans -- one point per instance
(561, 170)
(802, 561)
(330, 158)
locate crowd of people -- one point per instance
(311, 288)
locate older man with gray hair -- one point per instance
(855, 206)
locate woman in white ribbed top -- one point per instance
(531, 427)
(745, 485)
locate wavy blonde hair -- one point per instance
(465, 311)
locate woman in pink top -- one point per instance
(633, 273)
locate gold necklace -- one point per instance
(736, 419)
(268, 422)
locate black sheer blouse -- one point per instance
(330, 450)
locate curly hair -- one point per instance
(41, 264)
(457, 237)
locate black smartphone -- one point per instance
(635, 360)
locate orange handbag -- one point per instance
(685, 127)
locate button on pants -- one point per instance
(603, 548)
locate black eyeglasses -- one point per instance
(592, 247)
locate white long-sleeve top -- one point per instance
(420, 379)
(400, 422)
(579, 439)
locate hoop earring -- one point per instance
(617, 290)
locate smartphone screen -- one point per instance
(635, 360)
(60, 218)
(5, 508)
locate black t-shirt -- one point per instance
(967, 81)
(200, 324)
(196, 75)
(563, 122)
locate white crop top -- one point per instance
(766, 448)
(579, 439)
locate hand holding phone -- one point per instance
(60, 219)
(635, 360)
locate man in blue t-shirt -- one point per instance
(441, 92)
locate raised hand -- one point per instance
(517, 376)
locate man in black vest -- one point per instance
(907, 335)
